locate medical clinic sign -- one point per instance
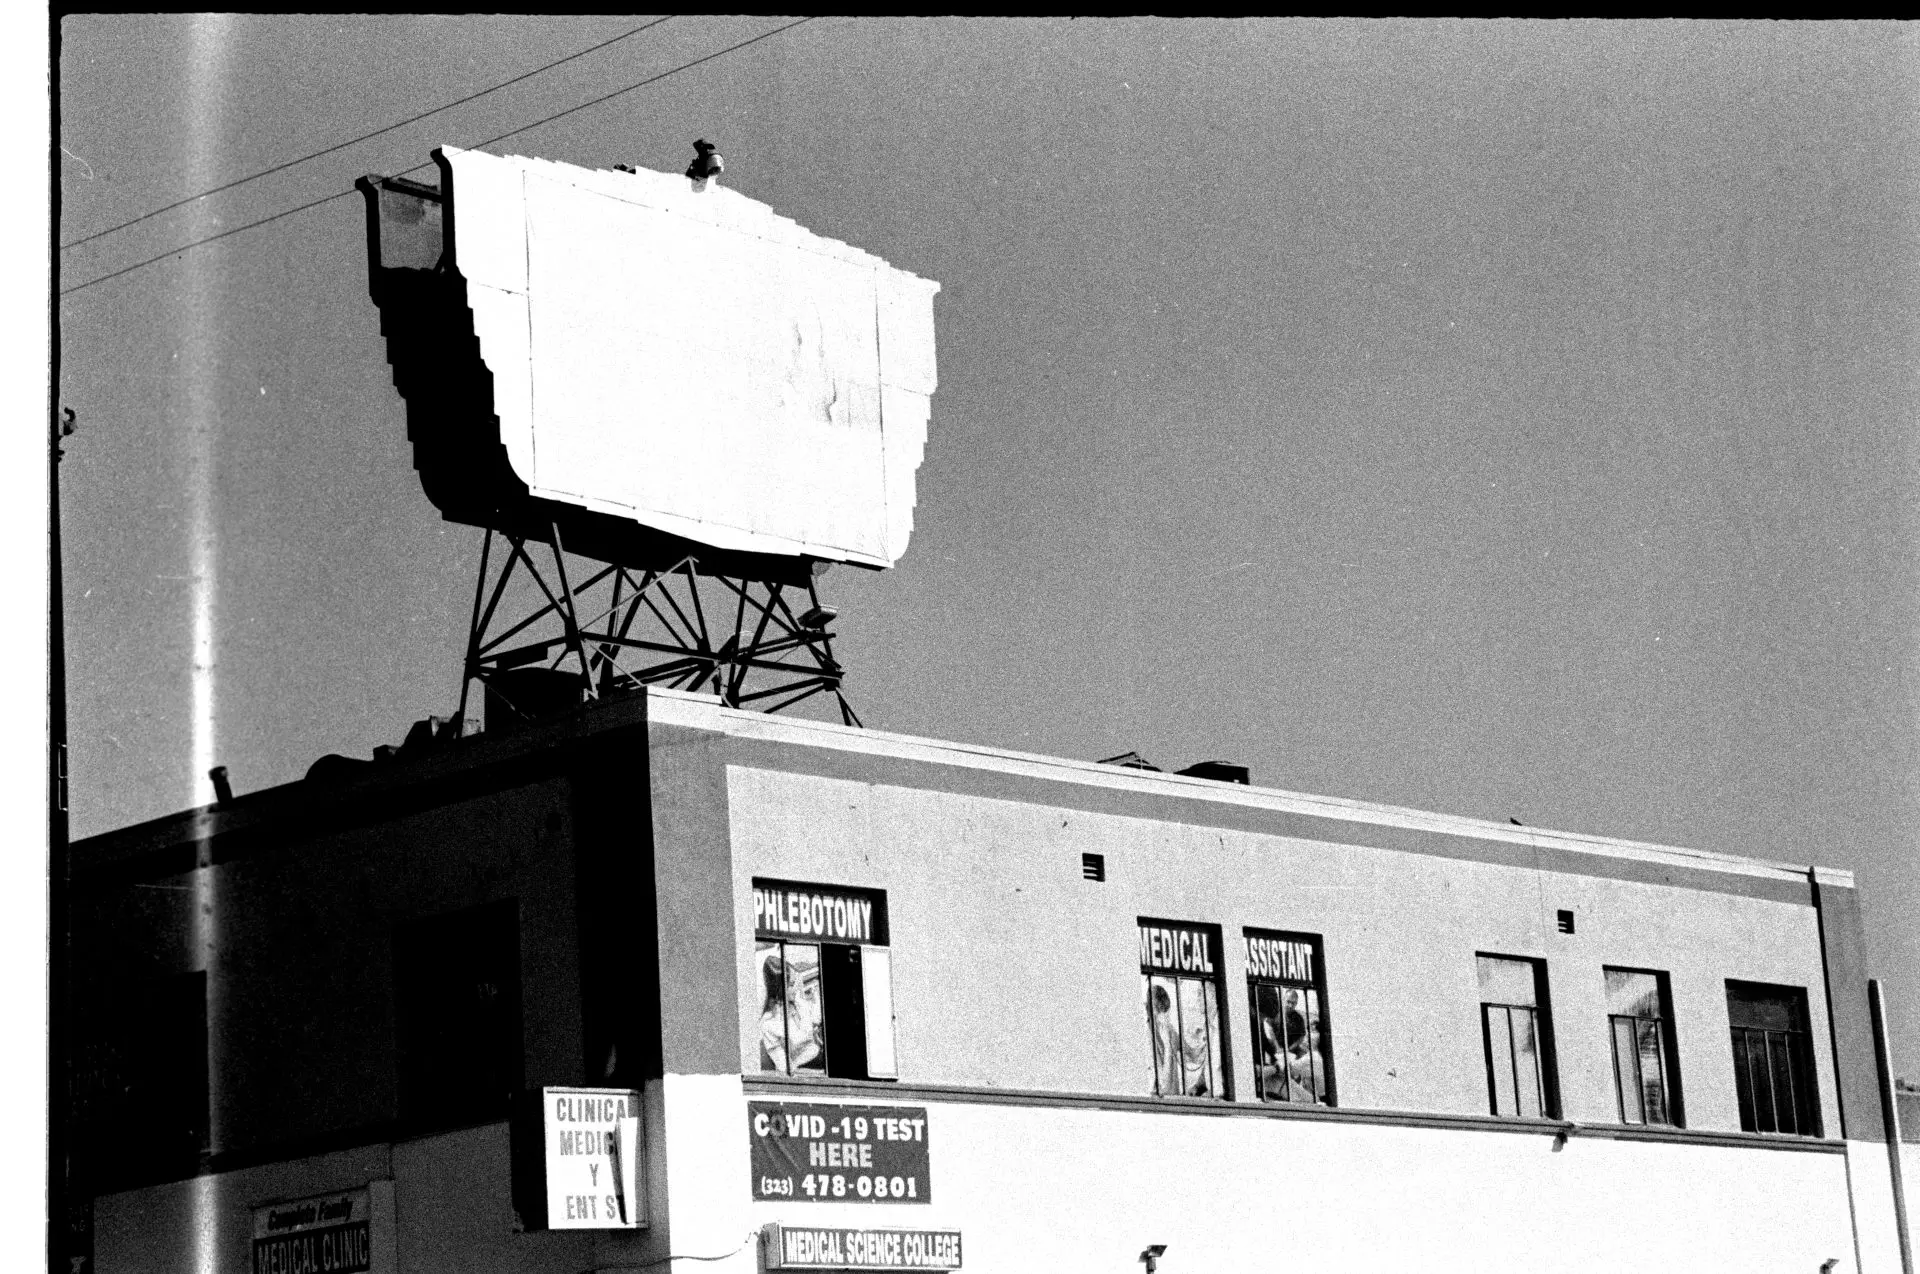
(327, 1234)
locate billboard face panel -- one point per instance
(694, 362)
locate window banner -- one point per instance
(819, 913)
(1281, 959)
(805, 1152)
(1170, 947)
(794, 1248)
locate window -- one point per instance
(1292, 1040)
(1645, 1062)
(1772, 1059)
(1516, 1027)
(826, 980)
(140, 1089)
(457, 1003)
(1181, 986)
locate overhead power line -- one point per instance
(342, 194)
(643, 83)
(354, 141)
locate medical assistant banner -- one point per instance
(1167, 946)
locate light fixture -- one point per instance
(1152, 1256)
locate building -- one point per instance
(889, 999)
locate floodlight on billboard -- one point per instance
(654, 368)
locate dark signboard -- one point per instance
(793, 1248)
(1168, 946)
(819, 913)
(815, 1153)
(1281, 957)
(328, 1234)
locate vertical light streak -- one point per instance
(210, 43)
(201, 299)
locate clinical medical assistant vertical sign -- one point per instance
(592, 1158)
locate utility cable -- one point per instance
(643, 83)
(354, 141)
(342, 194)
(662, 1260)
(173, 252)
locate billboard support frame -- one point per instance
(768, 658)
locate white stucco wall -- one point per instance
(1086, 1190)
(1012, 971)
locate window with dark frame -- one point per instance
(1286, 1000)
(826, 980)
(1183, 990)
(1646, 1081)
(140, 1084)
(1517, 1032)
(457, 1015)
(1773, 1059)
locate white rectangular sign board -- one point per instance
(592, 1153)
(693, 361)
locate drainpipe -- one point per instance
(1890, 1115)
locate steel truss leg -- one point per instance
(625, 629)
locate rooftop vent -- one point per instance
(1222, 771)
(1130, 761)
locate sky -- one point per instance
(1513, 420)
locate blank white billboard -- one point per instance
(693, 361)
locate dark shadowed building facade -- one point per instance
(897, 1003)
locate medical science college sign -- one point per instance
(788, 1247)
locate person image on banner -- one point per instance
(1179, 1020)
(1292, 1066)
(791, 1037)
(1164, 1028)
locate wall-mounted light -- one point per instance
(1152, 1256)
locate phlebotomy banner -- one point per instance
(819, 913)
